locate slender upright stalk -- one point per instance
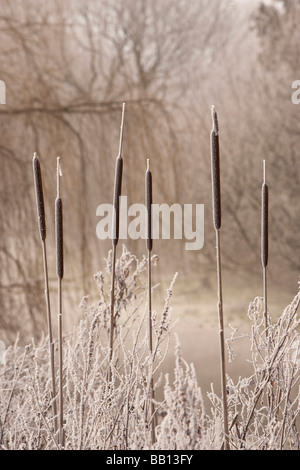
(115, 238)
(42, 229)
(265, 241)
(60, 274)
(149, 246)
(216, 190)
(112, 309)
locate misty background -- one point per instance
(69, 65)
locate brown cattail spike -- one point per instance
(149, 241)
(265, 226)
(59, 226)
(116, 202)
(264, 220)
(59, 238)
(215, 168)
(39, 196)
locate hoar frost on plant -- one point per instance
(263, 407)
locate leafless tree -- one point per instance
(69, 65)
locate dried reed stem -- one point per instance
(215, 168)
(265, 242)
(60, 274)
(115, 237)
(42, 229)
(149, 246)
(222, 342)
(112, 310)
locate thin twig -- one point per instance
(18, 371)
(121, 130)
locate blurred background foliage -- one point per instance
(68, 65)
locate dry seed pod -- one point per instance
(148, 178)
(59, 238)
(39, 196)
(215, 169)
(265, 225)
(116, 201)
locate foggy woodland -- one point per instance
(69, 65)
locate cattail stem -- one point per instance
(60, 365)
(115, 238)
(150, 302)
(265, 242)
(42, 229)
(51, 343)
(216, 193)
(149, 246)
(60, 274)
(112, 309)
(265, 295)
(222, 341)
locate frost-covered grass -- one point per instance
(263, 406)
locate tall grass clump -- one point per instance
(98, 414)
(263, 407)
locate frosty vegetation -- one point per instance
(263, 407)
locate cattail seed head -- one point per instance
(215, 170)
(265, 225)
(148, 183)
(59, 238)
(116, 201)
(39, 196)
